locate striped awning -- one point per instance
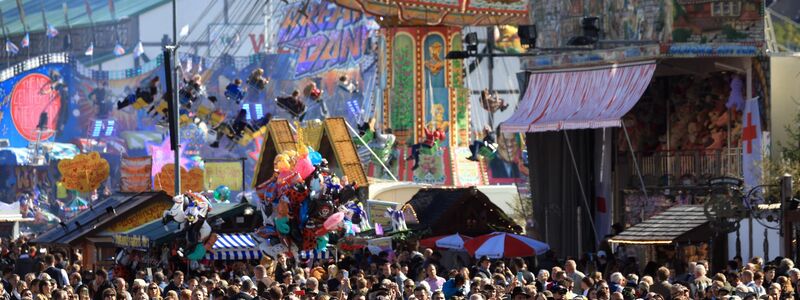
(234, 246)
(314, 254)
(581, 98)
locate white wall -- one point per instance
(784, 98)
(758, 240)
(505, 69)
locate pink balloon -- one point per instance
(304, 167)
(333, 221)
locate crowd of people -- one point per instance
(36, 274)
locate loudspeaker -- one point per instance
(527, 35)
(172, 104)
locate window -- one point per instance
(259, 111)
(246, 107)
(726, 8)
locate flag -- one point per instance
(200, 65)
(189, 65)
(184, 30)
(90, 50)
(378, 229)
(51, 31)
(751, 144)
(11, 48)
(26, 41)
(139, 50)
(118, 50)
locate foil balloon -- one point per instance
(316, 158)
(322, 242)
(283, 225)
(222, 193)
(304, 167)
(333, 221)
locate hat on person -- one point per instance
(601, 253)
(483, 259)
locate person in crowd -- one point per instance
(257, 80)
(234, 91)
(102, 284)
(434, 281)
(293, 104)
(176, 284)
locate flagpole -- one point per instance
(176, 151)
(24, 25)
(46, 28)
(5, 43)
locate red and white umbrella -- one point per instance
(501, 244)
(453, 241)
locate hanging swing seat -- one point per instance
(296, 112)
(489, 152)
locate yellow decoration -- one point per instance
(84, 172)
(282, 162)
(191, 181)
(302, 150)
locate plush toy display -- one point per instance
(190, 211)
(304, 205)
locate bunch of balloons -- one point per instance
(304, 204)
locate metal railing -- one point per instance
(664, 168)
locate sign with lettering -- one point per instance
(377, 213)
(325, 35)
(227, 173)
(131, 241)
(142, 215)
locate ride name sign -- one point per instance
(131, 241)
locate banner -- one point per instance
(135, 174)
(227, 173)
(131, 241)
(751, 144)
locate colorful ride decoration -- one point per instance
(449, 12)
(191, 180)
(304, 205)
(427, 92)
(84, 172)
(190, 211)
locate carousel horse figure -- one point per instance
(359, 215)
(398, 219)
(190, 211)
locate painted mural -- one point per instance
(85, 112)
(665, 21)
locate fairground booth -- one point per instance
(629, 121)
